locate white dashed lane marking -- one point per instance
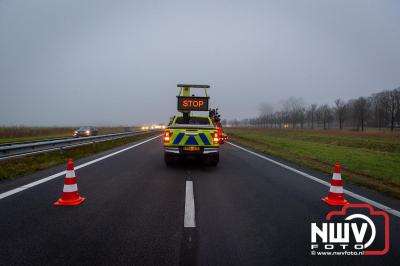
(189, 220)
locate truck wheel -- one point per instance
(169, 158)
(213, 159)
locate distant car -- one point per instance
(86, 132)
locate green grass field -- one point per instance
(370, 159)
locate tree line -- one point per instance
(379, 110)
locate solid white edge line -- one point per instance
(43, 180)
(351, 194)
(189, 220)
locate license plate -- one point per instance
(191, 148)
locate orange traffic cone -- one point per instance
(70, 195)
(336, 195)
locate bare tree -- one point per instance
(393, 106)
(235, 122)
(324, 115)
(340, 111)
(302, 116)
(266, 110)
(281, 118)
(311, 114)
(294, 110)
(360, 111)
(378, 110)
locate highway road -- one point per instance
(138, 211)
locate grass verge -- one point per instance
(12, 168)
(369, 160)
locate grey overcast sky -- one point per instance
(118, 62)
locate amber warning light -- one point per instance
(192, 103)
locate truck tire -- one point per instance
(213, 159)
(169, 158)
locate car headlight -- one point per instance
(87, 131)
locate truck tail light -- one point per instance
(215, 138)
(167, 136)
(220, 132)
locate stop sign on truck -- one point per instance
(192, 103)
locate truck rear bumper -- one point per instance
(176, 150)
(172, 150)
(210, 150)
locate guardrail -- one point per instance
(30, 141)
(19, 149)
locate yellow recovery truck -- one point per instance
(188, 135)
